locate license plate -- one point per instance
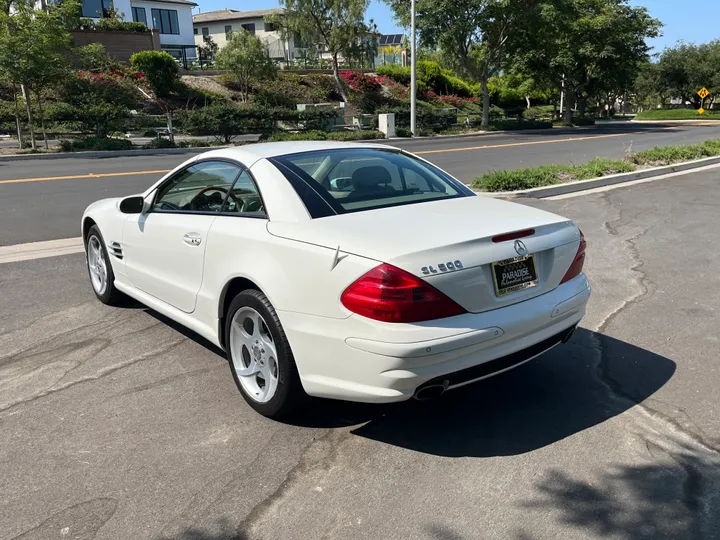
(513, 275)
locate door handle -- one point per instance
(192, 239)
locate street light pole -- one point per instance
(413, 81)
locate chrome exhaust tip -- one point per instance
(431, 391)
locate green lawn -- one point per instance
(678, 114)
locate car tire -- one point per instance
(260, 357)
(102, 277)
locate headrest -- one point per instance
(368, 177)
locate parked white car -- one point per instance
(350, 271)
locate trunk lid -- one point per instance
(419, 236)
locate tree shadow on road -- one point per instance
(674, 497)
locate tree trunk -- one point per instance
(336, 76)
(171, 136)
(485, 96)
(18, 123)
(28, 107)
(527, 99)
(581, 106)
(555, 109)
(42, 119)
(568, 112)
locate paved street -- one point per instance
(46, 210)
(117, 423)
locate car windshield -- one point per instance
(356, 179)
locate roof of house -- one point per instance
(391, 39)
(233, 14)
(185, 2)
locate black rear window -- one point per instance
(356, 179)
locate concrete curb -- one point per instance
(109, 153)
(582, 185)
(680, 122)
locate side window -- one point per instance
(244, 197)
(202, 187)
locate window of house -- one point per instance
(205, 31)
(228, 30)
(195, 31)
(166, 20)
(138, 15)
(250, 27)
(270, 27)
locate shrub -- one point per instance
(313, 135)
(160, 70)
(95, 143)
(546, 175)
(355, 135)
(398, 74)
(288, 89)
(541, 111)
(316, 118)
(116, 25)
(225, 121)
(95, 102)
(403, 132)
(360, 82)
(160, 143)
(458, 102)
(149, 133)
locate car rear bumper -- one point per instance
(358, 359)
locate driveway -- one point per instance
(118, 423)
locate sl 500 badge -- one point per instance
(442, 267)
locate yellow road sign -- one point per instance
(701, 110)
(703, 92)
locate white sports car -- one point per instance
(350, 271)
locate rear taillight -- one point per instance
(389, 294)
(577, 264)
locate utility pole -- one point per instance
(413, 81)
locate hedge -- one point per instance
(316, 135)
(95, 143)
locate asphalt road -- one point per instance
(118, 424)
(50, 209)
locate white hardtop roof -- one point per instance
(250, 153)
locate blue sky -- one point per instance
(683, 20)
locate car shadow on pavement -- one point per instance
(564, 391)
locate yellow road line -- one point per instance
(422, 152)
(90, 175)
(526, 143)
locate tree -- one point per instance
(337, 26)
(32, 47)
(589, 48)
(160, 71)
(208, 49)
(246, 58)
(476, 36)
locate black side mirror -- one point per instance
(132, 205)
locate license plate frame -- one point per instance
(526, 261)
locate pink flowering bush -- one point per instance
(456, 101)
(360, 82)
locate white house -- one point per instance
(173, 19)
(218, 24)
